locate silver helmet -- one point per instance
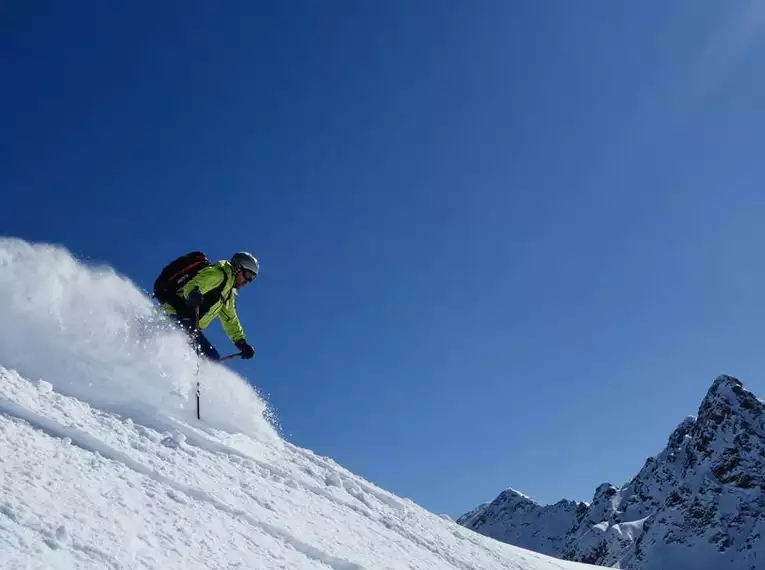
(244, 260)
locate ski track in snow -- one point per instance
(103, 464)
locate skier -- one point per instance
(194, 292)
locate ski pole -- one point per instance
(230, 356)
(196, 373)
(199, 418)
(199, 358)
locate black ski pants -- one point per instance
(197, 338)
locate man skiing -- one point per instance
(194, 297)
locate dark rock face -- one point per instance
(698, 505)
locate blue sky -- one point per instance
(502, 243)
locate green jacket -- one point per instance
(216, 283)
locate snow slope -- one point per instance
(103, 464)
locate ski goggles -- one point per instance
(249, 276)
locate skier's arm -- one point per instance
(230, 321)
(194, 291)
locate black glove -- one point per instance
(246, 350)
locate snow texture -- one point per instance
(104, 465)
(698, 505)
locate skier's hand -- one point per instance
(246, 350)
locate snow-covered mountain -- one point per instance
(103, 463)
(698, 505)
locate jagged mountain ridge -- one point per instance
(699, 504)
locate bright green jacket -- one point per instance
(208, 281)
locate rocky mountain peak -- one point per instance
(699, 504)
(728, 401)
(512, 496)
(681, 432)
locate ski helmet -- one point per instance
(244, 260)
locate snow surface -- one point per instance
(104, 465)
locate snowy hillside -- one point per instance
(103, 464)
(698, 505)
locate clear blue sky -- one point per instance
(502, 243)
